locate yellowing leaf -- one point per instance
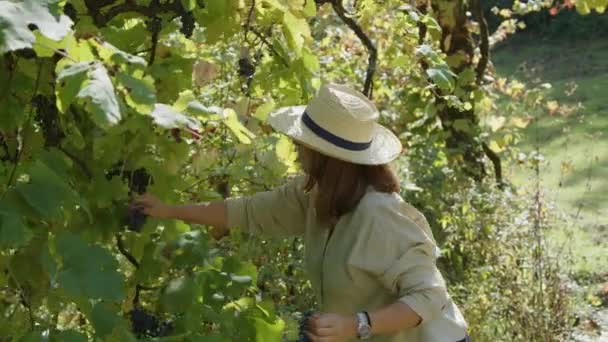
(262, 112)
(552, 107)
(296, 30)
(494, 146)
(520, 122)
(204, 72)
(232, 122)
(496, 122)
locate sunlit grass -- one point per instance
(574, 173)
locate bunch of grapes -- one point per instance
(138, 183)
(145, 324)
(48, 119)
(135, 219)
(302, 337)
(188, 24)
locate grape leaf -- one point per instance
(88, 270)
(241, 132)
(140, 94)
(219, 18)
(16, 19)
(70, 336)
(13, 232)
(443, 77)
(167, 117)
(180, 294)
(105, 320)
(261, 113)
(46, 192)
(103, 105)
(89, 81)
(296, 30)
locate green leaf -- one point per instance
(197, 108)
(266, 331)
(219, 18)
(140, 94)
(188, 5)
(70, 336)
(46, 47)
(105, 320)
(310, 8)
(296, 30)
(180, 294)
(88, 270)
(262, 112)
(111, 54)
(90, 82)
(13, 232)
(443, 78)
(463, 125)
(15, 17)
(310, 61)
(190, 249)
(231, 120)
(69, 82)
(582, 7)
(46, 192)
(167, 117)
(103, 102)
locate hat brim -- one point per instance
(385, 146)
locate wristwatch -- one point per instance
(364, 325)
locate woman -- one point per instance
(370, 256)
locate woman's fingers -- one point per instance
(145, 200)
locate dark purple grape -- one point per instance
(135, 219)
(246, 68)
(139, 180)
(302, 337)
(142, 322)
(145, 324)
(188, 23)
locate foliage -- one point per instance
(105, 99)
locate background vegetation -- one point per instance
(105, 99)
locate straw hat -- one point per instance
(339, 122)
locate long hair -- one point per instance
(341, 184)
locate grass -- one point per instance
(574, 173)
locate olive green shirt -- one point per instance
(381, 252)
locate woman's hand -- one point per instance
(329, 327)
(152, 206)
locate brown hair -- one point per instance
(342, 184)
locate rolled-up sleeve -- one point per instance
(279, 213)
(400, 251)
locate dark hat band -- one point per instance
(332, 138)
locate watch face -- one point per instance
(365, 331)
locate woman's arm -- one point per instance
(388, 320)
(393, 318)
(279, 212)
(207, 213)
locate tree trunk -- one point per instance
(462, 125)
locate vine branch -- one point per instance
(269, 45)
(371, 48)
(152, 10)
(484, 45)
(121, 247)
(497, 164)
(76, 160)
(22, 147)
